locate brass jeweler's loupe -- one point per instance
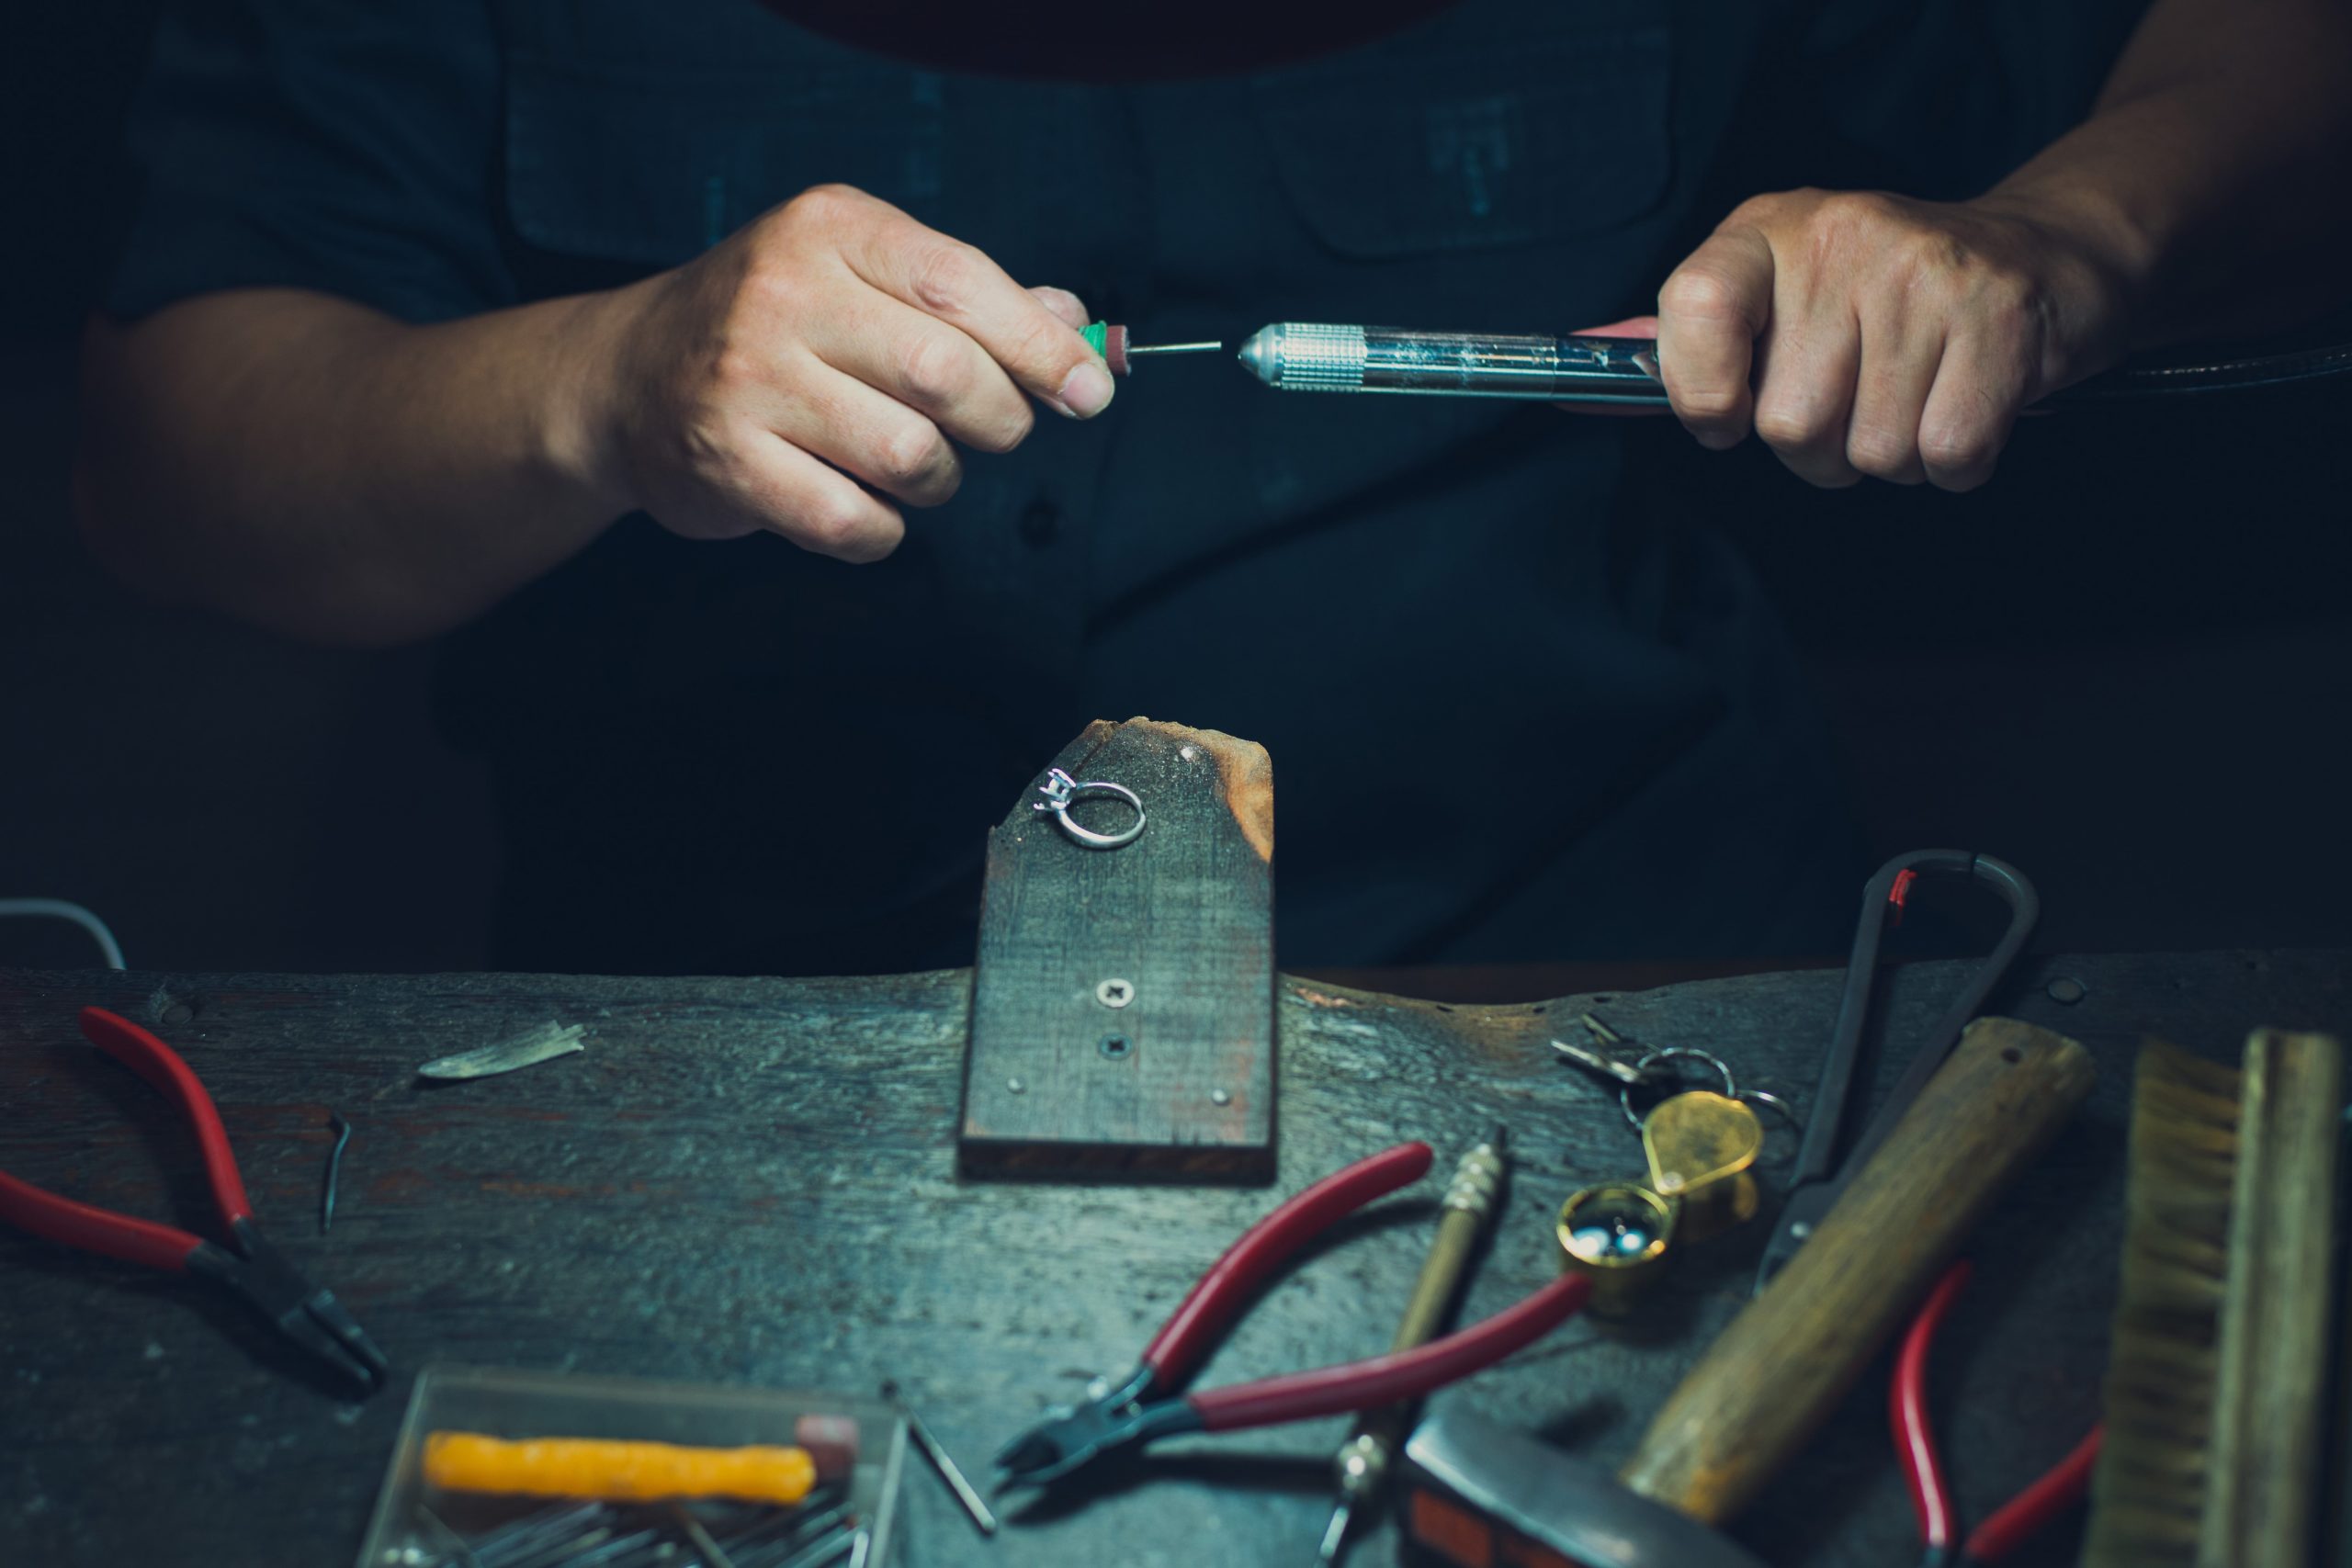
(1700, 1146)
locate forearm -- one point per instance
(314, 467)
(2210, 177)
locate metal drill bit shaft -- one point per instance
(1362, 1463)
(1135, 348)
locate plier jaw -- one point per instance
(245, 1263)
(1075, 1435)
(280, 1293)
(1153, 1403)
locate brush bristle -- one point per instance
(2149, 1494)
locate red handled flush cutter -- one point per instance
(1150, 1403)
(2016, 1521)
(247, 1264)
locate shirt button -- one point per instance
(1041, 524)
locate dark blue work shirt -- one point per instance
(1514, 714)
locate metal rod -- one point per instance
(504, 1546)
(830, 1550)
(454, 1548)
(1135, 348)
(775, 1553)
(713, 1554)
(334, 1170)
(974, 1503)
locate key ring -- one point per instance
(1061, 791)
(1765, 1097)
(1667, 1053)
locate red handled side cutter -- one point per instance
(1150, 1403)
(247, 1265)
(1923, 1468)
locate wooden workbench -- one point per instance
(753, 1182)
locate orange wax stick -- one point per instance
(607, 1471)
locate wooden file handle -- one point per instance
(1773, 1376)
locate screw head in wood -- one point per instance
(1014, 1085)
(1114, 993)
(1219, 1096)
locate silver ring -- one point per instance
(1687, 1053)
(1061, 791)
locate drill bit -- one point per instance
(1110, 340)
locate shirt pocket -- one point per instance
(654, 163)
(1473, 146)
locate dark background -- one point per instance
(2124, 665)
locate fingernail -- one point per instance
(1085, 390)
(1062, 303)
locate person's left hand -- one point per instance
(1860, 333)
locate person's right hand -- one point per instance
(833, 339)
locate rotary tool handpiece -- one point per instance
(1315, 356)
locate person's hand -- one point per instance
(1867, 334)
(832, 341)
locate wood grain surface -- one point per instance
(754, 1182)
(1178, 1079)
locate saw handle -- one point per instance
(1778, 1372)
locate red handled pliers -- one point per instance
(1923, 1468)
(1150, 1403)
(248, 1264)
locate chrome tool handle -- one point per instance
(1310, 356)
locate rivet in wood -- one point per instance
(1219, 1096)
(1015, 1086)
(1114, 993)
